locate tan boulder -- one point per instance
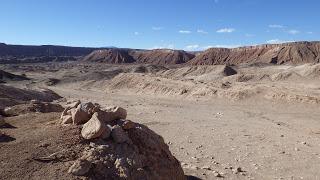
(94, 128)
(111, 114)
(79, 116)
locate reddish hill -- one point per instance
(291, 53)
(113, 55)
(162, 56)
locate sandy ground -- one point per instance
(266, 139)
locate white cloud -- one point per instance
(192, 47)
(276, 41)
(226, 30)
(226, 46)
(184, 32)
(136, 33)
(276, 26)
(216, 1)
(164, 46)
(293, 31)
(202, 31)
(157, 28)
(309, 32)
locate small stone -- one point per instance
(67, 119)
(296, 149)
(304, 143)
(128, 125)
(206, 168)
(73, 104)
(237, 170)
(216, 174)
(80, 168)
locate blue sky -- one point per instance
(179, 24)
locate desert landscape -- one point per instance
(223, 113)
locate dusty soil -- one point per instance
(262, 120)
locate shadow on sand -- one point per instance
(192, 178)
(6, 138)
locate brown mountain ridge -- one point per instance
(287, 53)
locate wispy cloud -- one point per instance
(216, 1)
(156, 28)
(276, 41)
(309, 32)
(278, 26)
(226, 30)
(184, 32)
(202, 31)
(136, 33)
(192, 47)
(293, 31)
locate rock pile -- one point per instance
(118, 148)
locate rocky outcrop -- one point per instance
(10, 96)
(6, 76)
(122, 149)
(162, 56)
(115, 56)
(33, 106)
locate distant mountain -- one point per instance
(157, 56)
(287, 53)
(44, 50)
(162, 56)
